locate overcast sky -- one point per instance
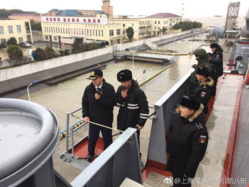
(131, 7)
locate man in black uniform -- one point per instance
(217, 58)
(132, 101)
(204, 87)
(214, 74)
(97, 106)
(202, 60)
(187, 142)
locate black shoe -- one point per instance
(89, 158)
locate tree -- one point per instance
(176, 26)
(39, 53)
(48, 53)
(164, 30)
(80, 47)
(15, 54)
(160, 31)
(48, 48)
(12, 41)
(5, 13)
(93, 46)
(187, 25)
(75, 46)
(130, 33)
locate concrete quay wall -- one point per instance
(27, 69)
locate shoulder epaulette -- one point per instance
(199, 125)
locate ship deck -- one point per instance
(221, 125)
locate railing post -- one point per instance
(71, 132)
(67, 127)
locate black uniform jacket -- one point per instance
(217, 61)
(133, 109)
(99, 111)
(187, 143)
(203, 92)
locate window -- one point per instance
(123, 25)
(102, 33)
(18, 27)
(20, 39)
(55, 38)
(158, 22)
(110, 32)
(155, 28)
(1, 30)
(10, 29)
(132, 25)
(3, 40)
(46, 37)
(118, 31)
(155, 22)
(123, 32)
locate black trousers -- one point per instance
(179, 179)
(94, 135)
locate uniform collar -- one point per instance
(99, 86)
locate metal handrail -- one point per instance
(67, 126)
(164, 98)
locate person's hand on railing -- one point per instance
(138, 127)
(86, 119)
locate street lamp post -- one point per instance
(29, 86)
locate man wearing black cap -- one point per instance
(187, 142)
(97, 106)
(202, 60)
(132, 101)
(217, 58)
(204, 88)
